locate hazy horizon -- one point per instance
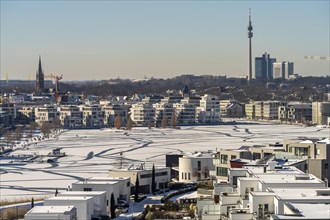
(95, 40)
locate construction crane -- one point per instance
(57, 89)
(317, 57)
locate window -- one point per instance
(182, 176)
(318, 152)
(233, 157)
(199, 166)
(188, 176)
(87, 189)
(224, 159)
(185, 176)
(222, 171)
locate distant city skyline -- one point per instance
(86, 40)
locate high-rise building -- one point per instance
(264, 67)
(40, 85)
(282, 70)
(250, 35)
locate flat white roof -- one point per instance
(286, 178)
(308, 211)
(86, 193)
(301, 193)
(75, 198)
(51, 209)
(313, 211)
(260, 170)
(198, 155)
(97, 182)
(108, 178)
(263, 193)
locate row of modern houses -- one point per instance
(207, 109)
(278, 181)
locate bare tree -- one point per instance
(129, 124)
(32, 127)
(46, 129)
(18, 134)
(173, 121)
(56, 125)
(118, 122)
(164, 122)
(8, 136)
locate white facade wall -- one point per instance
(99, 199)
(141, 113)
(108, 187)
(45, 114)
(245, 185)
(209, 110)
(84, 205)
(163, 110)
(70, 116)
(185, 113)
(195, 168)
(257, 203)
(93, 116)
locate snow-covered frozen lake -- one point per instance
(94, 152)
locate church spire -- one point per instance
(40, 86)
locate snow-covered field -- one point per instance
(94, 152)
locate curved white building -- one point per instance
(195, 166)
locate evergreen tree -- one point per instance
(153, 180)
(137, 186)
(112, 206)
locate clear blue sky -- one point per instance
(132, 39)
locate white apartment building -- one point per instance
(46, 114)
(194, 100)
(185, 113)
(257, 193)
(209, 110)
(195, 166)
(321, 113)
(120, 187)
(84, 205)
(250, 111)
(93, 116)
(141, 113)
(163, 110)
(52, 213)
(111, 112)
(267, 110)
(70, 116)
(99, 200)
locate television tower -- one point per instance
(250, 35)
